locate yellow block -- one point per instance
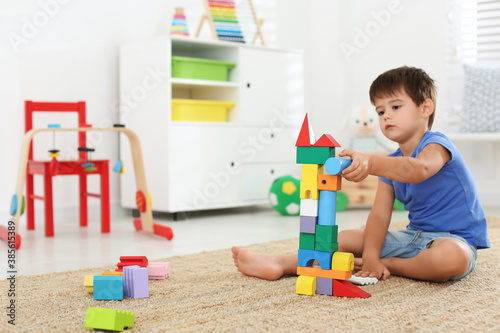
(309, 190)
(342, 261)
(88, 282)
(306, 285)
(310, 172)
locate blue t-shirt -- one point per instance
(447, 201)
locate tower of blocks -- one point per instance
(321, 179)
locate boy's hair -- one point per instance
(415, 82)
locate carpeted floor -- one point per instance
(206, 293)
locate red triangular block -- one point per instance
(347, 289)
(326, 140)
(306, 135)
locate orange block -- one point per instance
(329, 182)
(112, 273)
(323, 273)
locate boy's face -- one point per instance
(400, 118)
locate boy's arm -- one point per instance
(376, 230)
(402, 169)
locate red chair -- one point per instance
(53, 168)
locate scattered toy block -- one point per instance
(347, 289)
(306, 285)
(308, 224)
(335, 165)
(327, 207)
(136, 281)
(343, 261)
(324, 273)
(306, 135)
(309, 190)
(314, 155)
(324, 286)
(158, 270)
(88, 282)
(306, 258)
(306, 241)
(329, 182)
(326, 140)
(309, 207)
(107, 287)
(141, 261)
(108, 319)
(310, 172)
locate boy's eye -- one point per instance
(395, 107)
(381, 112)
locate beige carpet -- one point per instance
(206, 293)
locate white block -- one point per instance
(309, 207)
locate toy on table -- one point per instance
(319, 186)
(119, 167)
(179, 25)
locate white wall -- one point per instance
(73, 55)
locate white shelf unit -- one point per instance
(194, 166)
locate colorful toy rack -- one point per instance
(320, 182)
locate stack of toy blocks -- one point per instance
(318, 230)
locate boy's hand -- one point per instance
(360, 167)
(374, 268)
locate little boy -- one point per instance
(427, 174)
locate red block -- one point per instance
(347, 289)
(141, 261)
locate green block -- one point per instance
(108, 319)
(327, 233)
(306, 241)
(326, 247)
(314, 155)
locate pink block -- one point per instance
(158, 270)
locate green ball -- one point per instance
(284, 195)
(342, 201)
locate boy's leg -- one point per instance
(273, 267)
(264, 266)
(445, 258)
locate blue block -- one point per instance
(335, 166)
(108, 287)
(308, 224)
(327, 207)
(306, 258)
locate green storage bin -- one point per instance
(202, 69)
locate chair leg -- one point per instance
(30, 202)
(47, 198)
(105, 213)
(83, 200)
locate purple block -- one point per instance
(140, 283)
(324, 286)
(308, 224)
(127, 279)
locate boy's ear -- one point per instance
(428, 107)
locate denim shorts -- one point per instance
(408, 243)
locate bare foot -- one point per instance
(259, 265)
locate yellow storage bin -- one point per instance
(199, 110)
